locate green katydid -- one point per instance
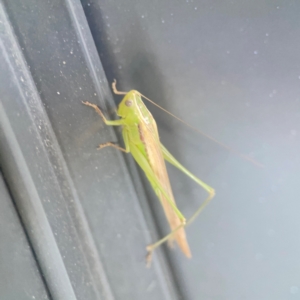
(141, 138)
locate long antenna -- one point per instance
(246, 157)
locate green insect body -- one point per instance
(141, 138)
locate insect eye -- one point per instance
(128, 103)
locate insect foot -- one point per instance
(149, 255)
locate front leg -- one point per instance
(100, 113)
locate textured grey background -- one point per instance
(20, 277)
(79, 209)
(231, 69)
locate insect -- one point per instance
(141, 138)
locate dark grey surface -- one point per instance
(231, 69)
(78, 206)
(20, 277)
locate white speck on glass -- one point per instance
(58, 93)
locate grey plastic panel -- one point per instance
(78, 206)
(230, 68)
(20, 277)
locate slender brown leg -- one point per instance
(115, 90)
(96, 108)
(110, 144)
